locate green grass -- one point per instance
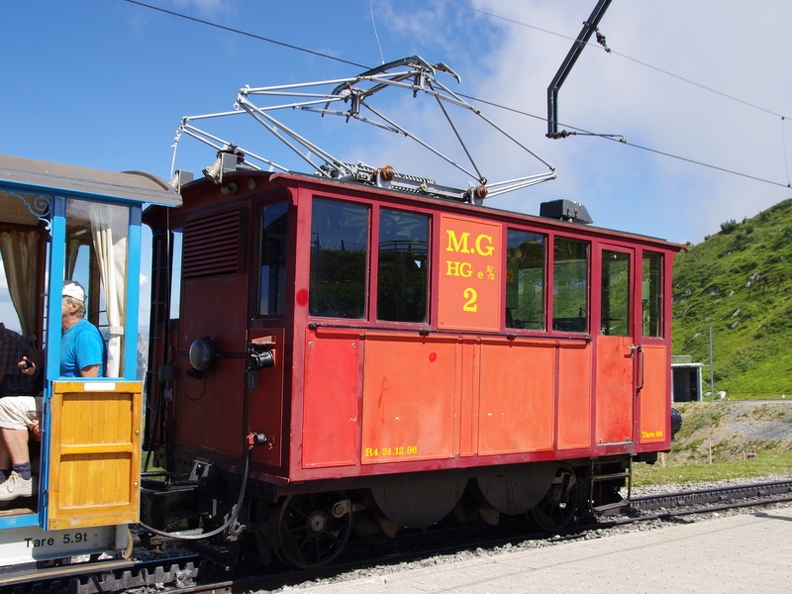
(733, 396)
(764, 464)
(738, 283)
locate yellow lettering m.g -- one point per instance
(457, 244)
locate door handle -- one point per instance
(637, 350)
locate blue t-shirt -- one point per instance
(81, 347)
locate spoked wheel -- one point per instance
(313, 528)
(560, 505)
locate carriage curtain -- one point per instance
(19, 250)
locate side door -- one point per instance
(616, 350)
(654, 352)
(94, 470)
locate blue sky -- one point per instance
(104, 83)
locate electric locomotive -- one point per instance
(359, 349)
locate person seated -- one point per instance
(13, 347)
(82, 355)
(13, 383)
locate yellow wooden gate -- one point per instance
(94, 471)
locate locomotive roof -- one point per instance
(30, 176)
(358, 189)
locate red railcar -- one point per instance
(363, 355)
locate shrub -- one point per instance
(729, 226)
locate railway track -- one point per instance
(193, 573)
(706, 500)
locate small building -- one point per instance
(687, 383)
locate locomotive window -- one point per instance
(403, 266)
(615, 315)
(339, 244)
(272, 284)
(525, 281)
(652, 291)
(570, 285)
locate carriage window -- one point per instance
(570, 285)
(651, 297)
(339, 244)
(615, 315)
(525, 280)
(97, 236)
(272, 284)
(403, 266)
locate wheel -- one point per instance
(313, 528)
(559, 506)
(417, 501)
(516, 491)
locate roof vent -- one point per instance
(565, 210)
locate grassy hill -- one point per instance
(739, 283)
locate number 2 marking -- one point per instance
(471, 296)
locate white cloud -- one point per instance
(204, 6)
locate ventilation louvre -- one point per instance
(211, 245)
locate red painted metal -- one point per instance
(330, 420)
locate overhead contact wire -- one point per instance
(245, 33)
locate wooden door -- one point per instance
(94, 464)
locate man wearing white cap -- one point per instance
(82, 347)
(82, 355)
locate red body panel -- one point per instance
(266, 412)
(330, 420)
(211, 409)
(517, 398)
(574, 395)
(653, 395)
(410, 408)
